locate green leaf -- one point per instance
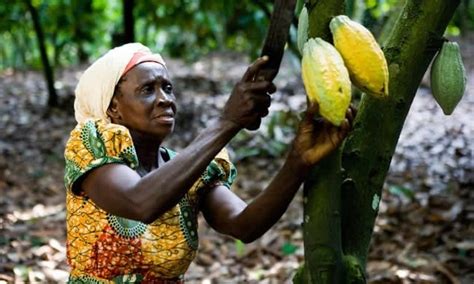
(401, 191)
(21, 272)
(37, 241)
(239, 248)
(288, 248)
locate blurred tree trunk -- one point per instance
(81, 29)
(128, 21)
(343, 193)
(48, 70)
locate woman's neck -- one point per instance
(148, 150)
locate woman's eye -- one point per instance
(168, 88)
(148, 89)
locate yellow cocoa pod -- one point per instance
(326, 79)
(362, 55)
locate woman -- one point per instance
(132, 204)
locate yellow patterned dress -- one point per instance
(104, 248)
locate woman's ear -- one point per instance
(113, 111)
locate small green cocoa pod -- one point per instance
(448, 77)
(302, 35)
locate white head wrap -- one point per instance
(97, 84)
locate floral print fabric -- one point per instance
(104, 248)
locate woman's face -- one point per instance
(144, 101)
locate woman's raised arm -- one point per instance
(228, 214)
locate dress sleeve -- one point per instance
(96, 143)
(220, 170)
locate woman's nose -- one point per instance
(163, 98)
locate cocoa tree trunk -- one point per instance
(343, 193)
(48, 70)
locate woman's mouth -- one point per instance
(165, 118)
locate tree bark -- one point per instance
(341, 204)
(48, 70)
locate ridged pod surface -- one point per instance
(326, 79)
(362, 55)
(448, 77)
(302, 35)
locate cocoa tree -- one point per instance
(343, 193)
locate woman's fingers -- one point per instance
(265, 101)
(349, 115)
(254, 68)
(264, 112)
(261, 87)
(323, 136)
(354, 110)
(352, 114)
(312, 109)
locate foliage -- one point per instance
(70, 26)
(374, 14)
(371, 13)
(77, 30)
(192, 28)
(463, 19)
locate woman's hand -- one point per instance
(317, 138)
(250, 99)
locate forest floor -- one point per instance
(424, 232)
